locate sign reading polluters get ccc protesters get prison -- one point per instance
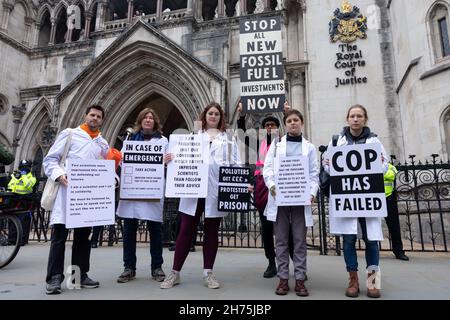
(262, 75)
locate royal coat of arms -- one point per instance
(348, 24)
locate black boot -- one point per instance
(271, 270)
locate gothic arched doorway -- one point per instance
(170, 117)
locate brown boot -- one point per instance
(372, 291)
(353, 286)
(300, 288)
(283, 287)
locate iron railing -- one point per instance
(423, 201)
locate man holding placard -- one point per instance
(86, 143)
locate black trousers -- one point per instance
(393, 223)
(267, 237)
(81, 250)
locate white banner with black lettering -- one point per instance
(142, 173)
(292, 181)
(233, 189)
(262, 75)
(90, 193)
(187, 173)
(356, 177)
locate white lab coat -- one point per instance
(269, 173)
(81, 147)
(218, 157)
(339, 226)
(144, 209)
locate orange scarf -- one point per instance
(91, 133)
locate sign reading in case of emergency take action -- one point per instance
(262, 76)
(142, 174)
(233, 189)
(357, 186)
(90, 193)
(187, 173)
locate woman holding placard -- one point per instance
(147, 128)
(358, 133)
(293, 217)
(222, 152)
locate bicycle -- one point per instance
(11, 205)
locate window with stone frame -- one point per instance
(439, 20)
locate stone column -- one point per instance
(297, 90)
(221, 8)
(267, 5)
(28, 31)
(130, 11)
(159, 6)
(190, 6)
(87, 24)
(52, 32)
(18, 113)
(35, 39)
(243, 9)
(69, 33)
(100, 20)
(7, 8)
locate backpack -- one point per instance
(324, 177)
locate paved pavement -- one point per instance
(425, 276)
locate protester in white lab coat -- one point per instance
(293, 219)
(147, 128)
(370, 228)
(213, 127)
(87, 143)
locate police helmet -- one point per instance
(25, 164)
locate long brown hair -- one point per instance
(141, 116)
(221, 125)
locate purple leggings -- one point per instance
(188, 226)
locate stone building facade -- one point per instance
(178, 55)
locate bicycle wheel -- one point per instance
(10, 238)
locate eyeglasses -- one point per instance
(270, 125)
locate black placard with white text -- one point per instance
(357, 185)
(233, 189)
(261, 62)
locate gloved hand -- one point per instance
(17, 174)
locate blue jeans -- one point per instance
(372, 250)
(130, 227)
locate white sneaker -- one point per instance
(171, 280)
(210, 281)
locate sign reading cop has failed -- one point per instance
(262, 76)
(142, 174)
(292, 181)
(233, 189)
(356, 177)
(187, 173)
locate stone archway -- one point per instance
(122, 79)
(170, 117)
